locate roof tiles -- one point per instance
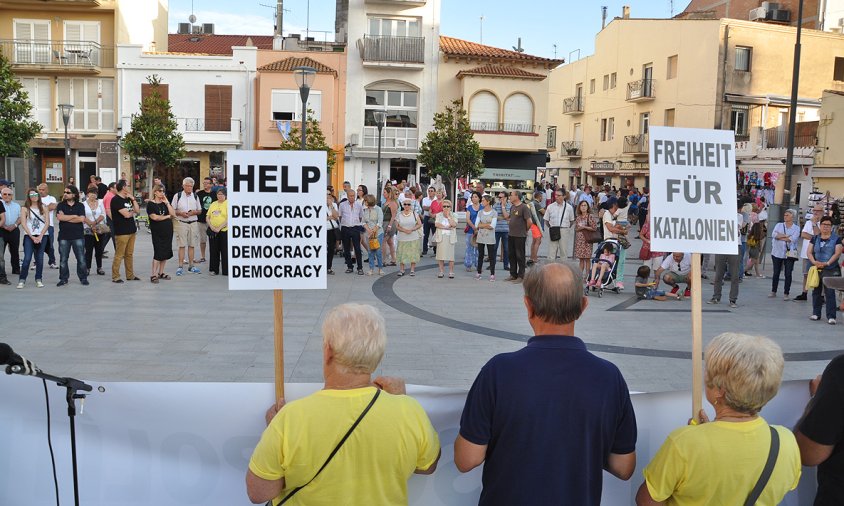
(500, 71)
(215, 44)
(451, 46)
(289, 64)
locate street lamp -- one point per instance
(380, 120)
(304, 79)
(67, 110)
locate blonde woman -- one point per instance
(390, 210)
(373, 221)
(408, 225)
(161, 215)
(445, 238)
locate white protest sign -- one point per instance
(277, 220)
(693, 190)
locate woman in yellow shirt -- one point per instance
(218, 233)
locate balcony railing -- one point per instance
(390, 49)
(776, 138)
(573, 105)
(641, 90)
(71, 54)
(551, 140)
(571, 149)
(513, 128)
(635, 144)
(392, 138)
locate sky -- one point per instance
(541, 24)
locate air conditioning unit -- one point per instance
(401, 143)
(208, 28)
(757, 13)
(184, 28)
(841, 22)
(780, 15)
(196, 29)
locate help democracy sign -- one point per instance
(693, 191)
(277, 220)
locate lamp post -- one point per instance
(792, 113)
(67, 110)
(304, 79)
(380, 120)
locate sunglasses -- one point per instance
(405, 205)
(68, 192)
(33, 194)
(447, 207)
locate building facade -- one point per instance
(828, 171)
(782, 11)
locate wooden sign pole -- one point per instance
(278, 334)
(697, 337)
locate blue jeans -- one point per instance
(501, 237)
(2, 257)
(376, 253)
(78, 246)
(828, 296)
(50, 249)
(470, 259)
(29, 247)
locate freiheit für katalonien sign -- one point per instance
(277, 220)
(693, 191)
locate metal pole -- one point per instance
(792, 112)
(304, 91)
(378, 180)
(66, 152)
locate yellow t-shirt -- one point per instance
(372, 467)
(218, 213)
(720, 463)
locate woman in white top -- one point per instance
(485, 223)
(35, 221)
(445, 238)
(408, 226)
(784, 252)
(332, 216)
(95, 240)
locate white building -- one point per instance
(211, 96)
(393, 48)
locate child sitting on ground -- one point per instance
(644, 287)
(603, 264)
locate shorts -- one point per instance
(203, 233)
(187, 234)
(676, 277)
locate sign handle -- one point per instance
(278, 334)
(697, 337)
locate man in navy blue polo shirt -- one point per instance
(547, 419)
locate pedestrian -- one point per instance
(536, 206)
(50, 202)
(502, 228)
(584, 223)
(207, 196)
(35, 221)
(427, 224)
(784, 252)
(408, 228)
(390, 210)
(351, 226)
(445, 238)
(71, 215)
(621, 217)
(124, 208)
(824, 252)
(3, 279)
(102, 188)
(373, 222)
(112, 191)
(218, 234)
(10, 231)
(485, 224)
(470, 258)
(519, 224)
(810, 229)
(755, 246)
(332, 217)
(561, 413)
(188, 208)
(559, 219)
(161, 215)
(436, 208)
(96, 231)
(723, 264)
(678, 269)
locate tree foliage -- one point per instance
(16, 127)
(154, 134)
(314, 140)
(450, 150)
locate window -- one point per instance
(82, 40)
(578, 90)
(603, 129)
(218, 108)
(163, 90)
(33, 41)
(518, 113)
(395, 27)
(606, 82)
(669, 117)
(483, 111)
(838, 73)
(592, 86)
(287, 105)
(644, 122)
(38, 89)
(672, 67)
(738, 119)
(613, 80)
(400, 105)
(607, 129)
(551, 141)
(743, 58)
(93, 101)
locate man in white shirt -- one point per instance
(50, 203)
(810, 229)
(188, 208)
(351, 225)
(559, 215)
(678, 269)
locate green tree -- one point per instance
(314, 141)
(16, 127)
(154, 136)
(450, 150)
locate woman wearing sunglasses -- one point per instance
(408, 225)
(35, 220)
(445, 238)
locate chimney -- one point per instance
(603, 17)
(625, 12)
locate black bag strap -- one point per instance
(767, 471)
(336, 448)
(563, 215)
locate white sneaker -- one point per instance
(814, 317)
(831, 321)
(39, 284)
(20, 285)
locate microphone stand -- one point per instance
(73, 386)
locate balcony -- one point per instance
(571, 149)
(573, 105)
(389, 51)
(635, 144)
(504, 128)
(641, 90)
(805, 136)
(57, 55)
(198, 131)
(393, 139)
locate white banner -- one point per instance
(277, 220)
(182, 444)
(693, 190)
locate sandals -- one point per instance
(401, 273)
(412, 273)
(164, 276)
(153, 279)
(440, 275)
(450, 275)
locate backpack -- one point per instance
(195, 197)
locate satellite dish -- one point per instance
(192, 18)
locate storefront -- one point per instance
(620, 174)
(516, 170)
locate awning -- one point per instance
(209, 148)
(776, 100)
(499, 174)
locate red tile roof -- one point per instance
(464, 48)
(289, 64)
(500, 71)
(215, 44)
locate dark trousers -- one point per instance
(824, 296)
(94, 249)
(427, 230)
(13, 242)
(49, 248)
(78, 247)
(490, 248)
(219, 246)
(351, 239)
(722, 262)
(516, 245)
(332, 245)
(501, 242)
(111, 227)
(785, 265)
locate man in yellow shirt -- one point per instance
(392, 440)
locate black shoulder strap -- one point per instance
(767, 471)
(336, 448)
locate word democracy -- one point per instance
(694, 229)
(275, 271)
(279, 212)
(275, 232)
(276, 251)
(691, 153)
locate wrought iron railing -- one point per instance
(57, 53)
(776, 138)
(571, 148)
(516, 128)
(641, 89)
(573, 105)
(388, 48)
(635, 144)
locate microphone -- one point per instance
(16, 363)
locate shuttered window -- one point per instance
(518, 113)
(483, 111)
(38, 90)
(163, 90)
(32, 41)
(218, 108)
(93, 101)
(287, 105)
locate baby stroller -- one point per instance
(608, 282)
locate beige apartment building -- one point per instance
(695, 73)
(828, 172)
(63, 51)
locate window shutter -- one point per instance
(518, 113)
(483, 109)
(163, 90)
(23, 31)
(218, 108)
(72, 31)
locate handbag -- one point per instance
(625, 243)
(102, 228)
(555, 233)
(336, 448)
(374, 243)
(767, 470)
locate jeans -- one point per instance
(502, 238)
(2, 256)
(490, 248)
(828, 295)
(50, 249)
(427, 230)
(779, 263)
(351, 239)
(94, 249)
(375, 254)
(13, 241)
(331, 245)
(516, 245)
(721, 264)
(219, 246)
(30, 248)
(471, 256)
(78, 246)
(124, 251)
